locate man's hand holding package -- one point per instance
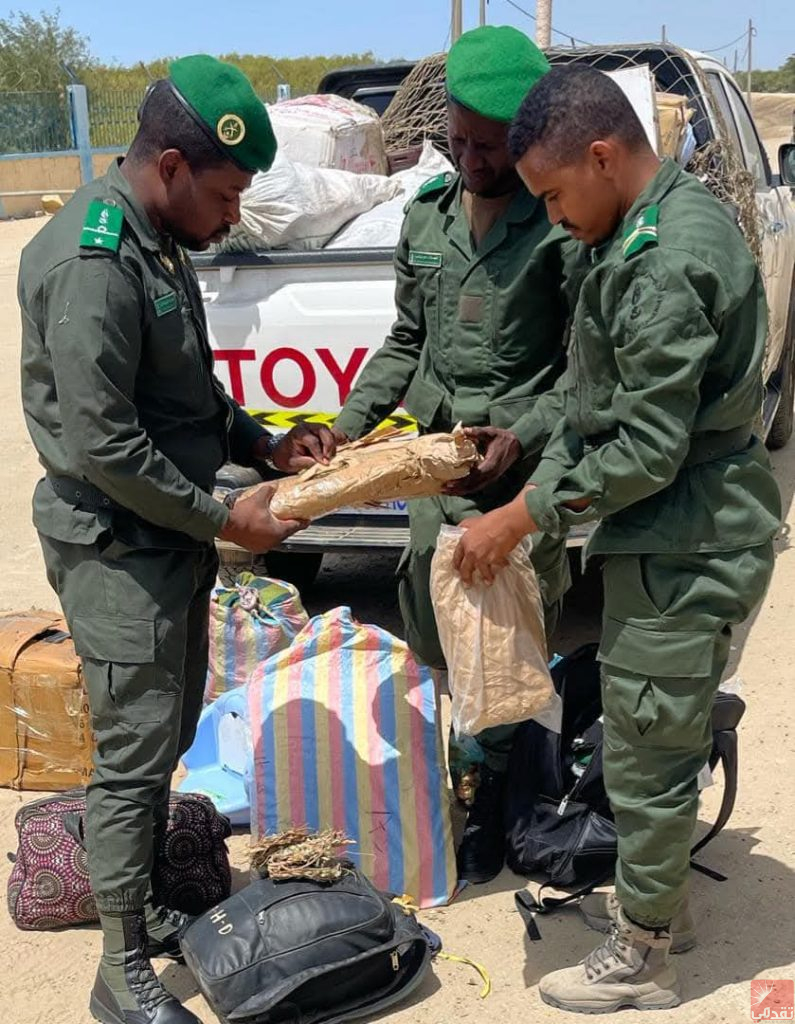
(489, 539)
(302, 446)
(252, 525)
(499, 450)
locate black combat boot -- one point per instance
(481, 854)
(164, 930)
(126, 990)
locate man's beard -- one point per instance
(195, 243)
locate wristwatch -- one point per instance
(231, 497)
(271, 442)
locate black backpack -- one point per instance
(558, 818)
(306, 952)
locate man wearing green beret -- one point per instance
(478, 339)
(657, 444)
(131, 426)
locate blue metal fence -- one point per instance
(34, 122)
(41, 122)
(113, 116)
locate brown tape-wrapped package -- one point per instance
(383, 466)
(45, 725)
(674, 115)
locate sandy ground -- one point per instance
(746, 924)
(774, 116)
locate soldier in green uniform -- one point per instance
(131, 426)
(479, 340)
(657, 444)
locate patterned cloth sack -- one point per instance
(49, 886)
(345, 732)
(250, 621)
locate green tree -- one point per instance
(780, 80)
(34, 50)
(302, 74)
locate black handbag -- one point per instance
(306, 952)
(558, 818)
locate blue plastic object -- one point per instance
(217, 759)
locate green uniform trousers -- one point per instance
(139, 620)
(665, 644)
(426, 517)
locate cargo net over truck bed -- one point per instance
(418, 112)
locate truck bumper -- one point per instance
(335, 535)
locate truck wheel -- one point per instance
(299, 569)
(781, 427)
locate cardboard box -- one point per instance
(330, 131)
(45, 724)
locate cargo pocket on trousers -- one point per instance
(106, 638)
(651, 652)
(125, 685)
(657, 687)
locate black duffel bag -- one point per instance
(306, 952)
(558, 819)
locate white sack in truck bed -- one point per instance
(330, 131)
(298, 207)
(380, 227)
(383, 466)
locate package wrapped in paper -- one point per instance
(45, 726)
(674, 116)
(493, 642)
(384, 466)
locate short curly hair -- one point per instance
(568, 109)
(164, 123)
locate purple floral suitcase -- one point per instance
(49, 885)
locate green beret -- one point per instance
(491, 70)
(221, 100)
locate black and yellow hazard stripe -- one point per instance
(281, 419)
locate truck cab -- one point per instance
(292, 331)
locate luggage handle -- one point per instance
(73, 825)
(724, 752)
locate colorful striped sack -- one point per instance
(249, 622)
(346, 735)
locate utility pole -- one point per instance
(482, 12)
(544, 23)
(750, 63)
(457, 22)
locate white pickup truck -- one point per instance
(292, 331)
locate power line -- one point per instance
(717, 49)
(558, 32)
(449, 34)
(574, 39)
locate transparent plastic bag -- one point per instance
(493, 640)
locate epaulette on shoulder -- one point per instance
(102, 226)
(431, 186)
(642, 232)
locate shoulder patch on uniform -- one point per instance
(102, 226)
(435, 184)
(641, 232)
